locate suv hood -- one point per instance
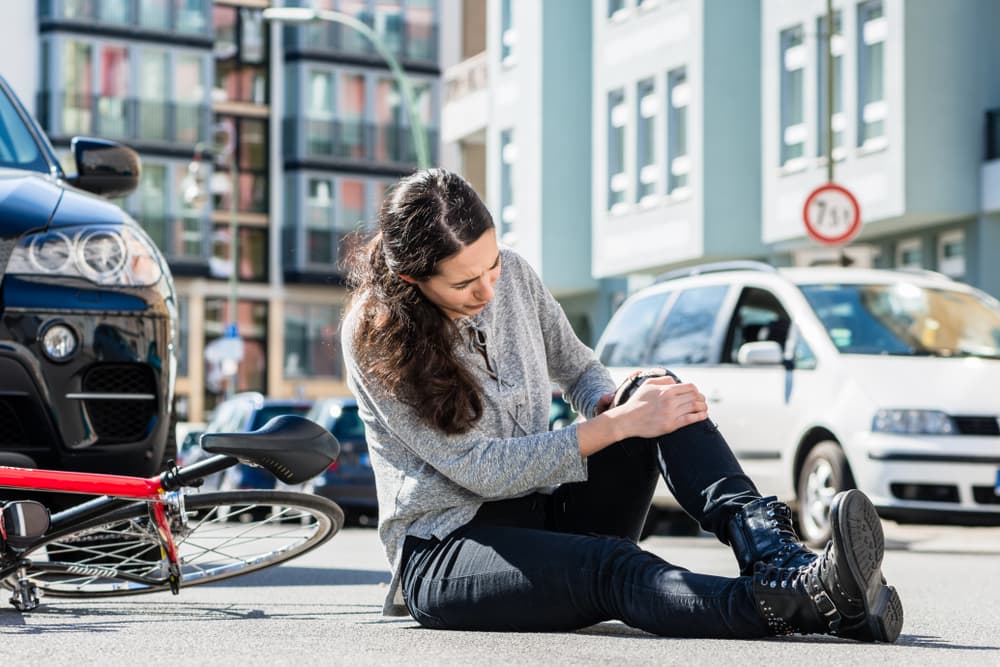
(27, 202)
(31, 201)
(958, 385)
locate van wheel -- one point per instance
(823, 475)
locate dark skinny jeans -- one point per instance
(570, 560)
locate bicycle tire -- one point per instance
(227, 535)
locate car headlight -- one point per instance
(913, 422)
(106, 255)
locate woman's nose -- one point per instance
(484, 288)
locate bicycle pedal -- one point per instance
(22, 522)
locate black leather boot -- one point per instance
(842, 591)
(762, 532)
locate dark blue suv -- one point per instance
(87, 310)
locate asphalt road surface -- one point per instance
(324, 608)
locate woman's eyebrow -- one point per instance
(463, 283)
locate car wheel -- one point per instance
(823, 475)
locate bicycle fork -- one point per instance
(172, 506)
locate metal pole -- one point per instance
(416, 125)
(829, 91)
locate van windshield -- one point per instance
(907, 319)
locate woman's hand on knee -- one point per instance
(662, 405)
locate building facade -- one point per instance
(516, 122)
(264, 148)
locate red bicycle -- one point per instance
(141, 535)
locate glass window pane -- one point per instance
(626, 340)
(687, 331)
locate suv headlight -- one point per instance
(106, 255)
(913, 422)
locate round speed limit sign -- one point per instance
(832, 214)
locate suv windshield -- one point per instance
(18, 148)
(907, 319)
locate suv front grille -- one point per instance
(12, 431)
(977, 425)
(120, 420)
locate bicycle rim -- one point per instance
(228, 534)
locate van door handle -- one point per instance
(714, 397)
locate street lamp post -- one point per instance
(301, 15)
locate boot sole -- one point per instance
(859, 539)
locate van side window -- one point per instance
(759, 316)
(687, 332)
(627, 336)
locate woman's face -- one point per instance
(463, 284)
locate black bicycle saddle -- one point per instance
(291, 447)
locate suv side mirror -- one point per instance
(760, 353)
(104, 167)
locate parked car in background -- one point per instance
(88, 312)
(350, 481)
(824, 379)
(561, 413)
(243, 412)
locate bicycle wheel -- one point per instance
(227, 534)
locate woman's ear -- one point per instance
(408, 279)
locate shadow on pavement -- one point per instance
(290, 575)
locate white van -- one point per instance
(823, 379)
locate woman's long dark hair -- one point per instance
(402, 341)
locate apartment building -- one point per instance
(268, 142)
(710, 131)
(516, 122)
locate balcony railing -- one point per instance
(467, 77)
(407, 40)
(191, 17)
(310, 138)
(123, 118)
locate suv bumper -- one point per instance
(106, 409)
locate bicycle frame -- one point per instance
(113, 491)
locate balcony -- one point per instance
(354, 141)
(187, 18)
(466, 108)
(411, 41)
(124, 119)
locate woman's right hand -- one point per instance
(661, 405)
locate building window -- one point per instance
(312, 341)
(112, 86)
(646, 168)
(836, 47)
(252, 264)
(508, 35)
(871, 75)
(389, 23)
(617, 9)
(678, 162)
(154, 90)
(909, 254)
(508, 210)
(248, 138)
(793, 128)
(421, 32)
(617, 178)
(79, 89)
(240, 51)
(251, 321)
(189, 93)
(951, 254)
